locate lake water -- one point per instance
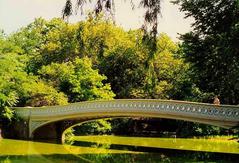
(120, 149)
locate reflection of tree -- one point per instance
(163, 157)
(120, 158)
(45, 152)
(6, 160)
(104, 145)
(119, 142)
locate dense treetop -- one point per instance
(54, 62)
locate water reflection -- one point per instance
(119, 149)
(206, 145)
(28, 151)
(161, 149)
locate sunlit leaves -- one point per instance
(78, 80)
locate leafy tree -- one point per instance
(189, 129)
(166, 69)
(26, 88)
(212, 47)
(78, 80)
(47, 41)
(150, 26)
(41, 94)
(95, 127)
(122, 57)
(17, 87)
(95, 36)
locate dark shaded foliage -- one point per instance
(212, 47)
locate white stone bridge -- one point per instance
(51, 121)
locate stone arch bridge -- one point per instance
(51, 121)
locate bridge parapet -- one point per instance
(22, 112)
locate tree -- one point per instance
(168, 69)
(122, 57)
(150, 26)
(45, 42)
(17, 87)
(115, 52)
(212, 47)
(27, 88)
(78, 80)
(95, 127)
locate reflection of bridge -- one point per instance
(51, 121)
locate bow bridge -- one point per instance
(51, 121)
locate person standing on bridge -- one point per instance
(216, 101)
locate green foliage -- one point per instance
(47, 41)
(114, 52)
(10, 77)
(41, 94)
(96, 127)
(49, 47)
(17, 87)
(78, 80)
(123, 126)
(5, 102)
(67, 137)
(122, 57)
(29, 89)
(167, 69)
(212, 47)
(188, 129)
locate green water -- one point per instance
(120, 149)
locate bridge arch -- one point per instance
(56, 118)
